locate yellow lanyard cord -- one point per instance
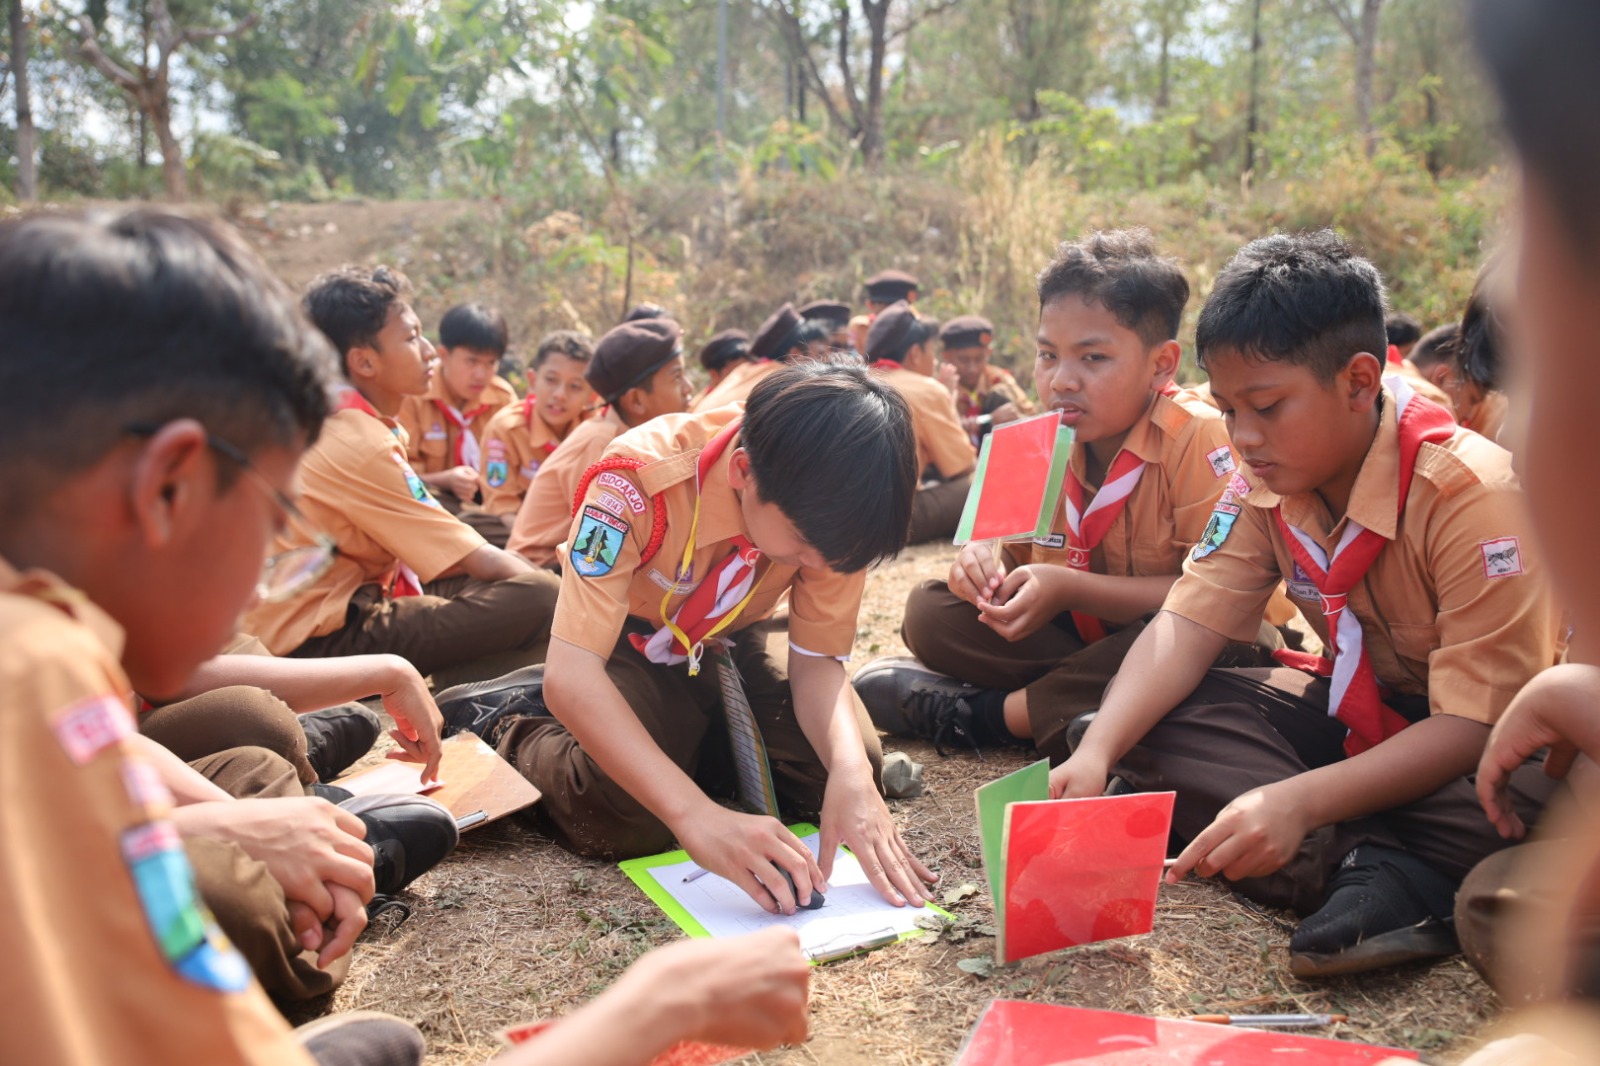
(696, 648)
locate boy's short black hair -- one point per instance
(1306, 299)
(1438, 345)
(1541, 56)
(350, 305)
(474, 326)
(1480, 343)
(120, 322)
(831, 446)
(1401, 329)
(1122, 271)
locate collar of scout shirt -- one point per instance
(720, 518)
(1146, 439)
(1374, 498)
(498, 389)
(46, 587)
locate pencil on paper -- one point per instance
(1273, 1021)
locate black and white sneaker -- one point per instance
(885, 686)
(1385, 907)
(486, 707)
(338, 736)
(409, 835)
(361, 1038)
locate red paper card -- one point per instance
(687, 1053)
(1013, 1033)
(1079, 871)
(1017, 484)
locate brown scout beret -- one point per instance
(886, 286)
(826, 311)
(628, 354)
(896, 329)
(770, 339)
(967, 331)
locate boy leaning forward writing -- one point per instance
(1403, 540)
(687, 536)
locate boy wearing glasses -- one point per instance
(377, 565)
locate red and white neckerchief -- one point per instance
(405, 581)
(885, 364)
(528, 406)
(1354, 698)
(467, 451)
(1169, 389)
(719, 598)
(1087, 527)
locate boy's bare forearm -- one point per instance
(1411, 764)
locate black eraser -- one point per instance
(816, 897)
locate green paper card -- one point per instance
(1029, 783)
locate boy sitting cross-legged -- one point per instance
(1017, 647)
(1403, 540)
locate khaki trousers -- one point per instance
(473, 629)
(234, 717)
(1242, 729)
(1064, 677)
(590, 814)
(248, 903)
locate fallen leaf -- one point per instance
(981, 966)
(959, 894)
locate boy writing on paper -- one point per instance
(395, 571)
(124, 566)
(695, 527)
(1017, 644)
(1403, 539)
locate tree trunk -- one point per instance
(1253, 122)
(872, 146)
(27, 176)
(174, 174)
(1366, 55)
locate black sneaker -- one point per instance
(409, 835)
(361, 1038)
(486, 707)
(1384, 907)
(338, 736)
(885, 687)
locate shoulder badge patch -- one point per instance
(1217, 530)
(185, 933)
(598, 542)
(88, 727)
(1238, 485)
(1221, 461)
(627, 488)
(1501, 558)
(419, 491)
(495, 473)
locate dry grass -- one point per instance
(512, 928)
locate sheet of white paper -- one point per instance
(392, 778)
(853, 914)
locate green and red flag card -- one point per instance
(1017, 485)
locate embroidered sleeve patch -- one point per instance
(496, 469)
(1217, 530)
(1501, 558)
(1221, 461)
(629, 492)
(186, 934)
(607, 502)
(1238, 485)
(414, 485)
(88, 727)
(598, 542)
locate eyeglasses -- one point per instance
(287, 572)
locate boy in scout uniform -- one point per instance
(1029, 636)
(523, 435)
(445, 425)
(899, 349)
(637, 369)
(882, 290)
(1340, 788)
(721, 353)
(695, 527)
(783, 338)
(986, 395)
(397, 572)
(836, 316)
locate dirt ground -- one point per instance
(511, 928)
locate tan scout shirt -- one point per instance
(546, 512)
(941, 442)
(90, 867)
(1455, 607)
(737, 385)
(1184, 444)
(997, 379)
(356, 486)
(432, 436)
(515, 444)
(591, 610)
